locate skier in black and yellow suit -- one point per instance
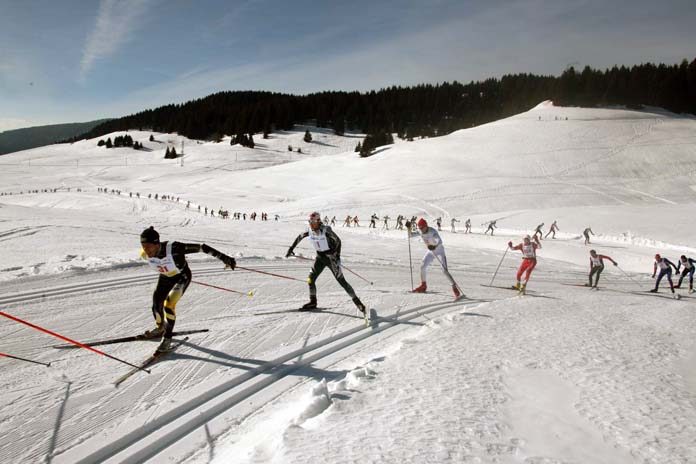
(169, 259)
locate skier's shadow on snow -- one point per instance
(259, 365)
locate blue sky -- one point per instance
(78, 60)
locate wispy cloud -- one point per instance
(116, 23)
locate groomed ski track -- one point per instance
(81, 435)
(154, 437)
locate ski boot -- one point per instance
(165, 346)
(359, 305)
(523, 289)
(654, 290)
(157, 332)
(516, 286)
(312, 304)
(421, 288)
(691, 290)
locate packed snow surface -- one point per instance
(564, 374)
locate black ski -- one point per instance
(511, 287)
(520, 293)
(659, 295)
(156, 356)
(134, 338)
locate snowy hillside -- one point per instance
(560, 375)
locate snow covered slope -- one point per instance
(563, 375)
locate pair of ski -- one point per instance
(676, 296)
(149, 361)
(365, 314)
(591, 287)
(520, 290)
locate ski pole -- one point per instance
(342, 265)
(355, 273)
(631, 278)
(447, 273)
(249, 293)
(23, 359)
(410, 262)
(270, 273)
(496, 269)
(41, 329)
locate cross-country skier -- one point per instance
(346, 223)
(453, 221)
(467, 226)
(552, 230)
(400, 222)
(328, 248)
(436, 250)
(597, 266)
(529, 261)
(538, 230)
(373, 221)
(438, 221)
(386, 222)
(587, 233)
(665, 266)
(491, 226)
(689, 268)
(169, 259)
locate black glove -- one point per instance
(616, 264)
(289, 253)
(510, 244)
(432, 247)
(229, 261)
(408, 224)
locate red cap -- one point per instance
(422, 223)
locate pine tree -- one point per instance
(307, 137)
(358, 148)
(339, 125)
(108, 143)
(152, 138)
(101, 143)
(251, 141)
